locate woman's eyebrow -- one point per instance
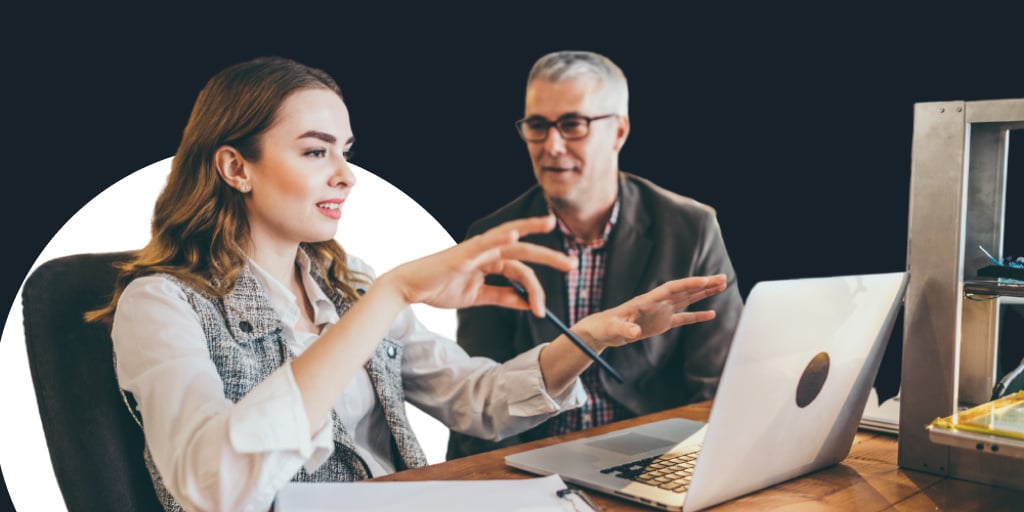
(326, 137)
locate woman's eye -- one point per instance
(319, 153)
(348, 154)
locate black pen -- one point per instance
(572, 336)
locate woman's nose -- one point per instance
(344, 176)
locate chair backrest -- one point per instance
(94, 443)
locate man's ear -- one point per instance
(621, 132)
(232, 169)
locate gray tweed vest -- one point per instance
(244, 337)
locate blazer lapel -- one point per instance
(553, 281)
(630, 251)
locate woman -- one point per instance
(259, 352)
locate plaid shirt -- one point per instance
(584, 295)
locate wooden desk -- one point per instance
(868, 479)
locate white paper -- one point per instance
(537, 494)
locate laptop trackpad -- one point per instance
(632, 443)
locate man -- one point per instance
(627, 234)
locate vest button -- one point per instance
(392, 352)
(245, 326)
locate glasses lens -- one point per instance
(534, 129)
(573, 127)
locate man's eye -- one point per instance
(571, 124)
(537, 125)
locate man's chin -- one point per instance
(557, 197)
(564, 180)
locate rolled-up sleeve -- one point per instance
(278, 401)
(472, 395)
(476, 395)
(212, 454)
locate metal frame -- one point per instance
(957, 201)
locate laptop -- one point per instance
(802, 363)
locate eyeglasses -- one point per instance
(571, 127)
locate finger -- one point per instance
(488, 245)
(504, 296)
(682, 286)
(692, 317)
(628, 330)
(695, 283)
(693, 297)
(687, 295)
(525, 251)
(522, 227)
(534, 225)
(618, 331)
(521, 273)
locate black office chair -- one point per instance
(94, 442)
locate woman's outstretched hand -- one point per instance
(650, 314)
(454, 277)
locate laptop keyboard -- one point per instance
(670, 471)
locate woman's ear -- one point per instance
(232, 169)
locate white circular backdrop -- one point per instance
(380, 224)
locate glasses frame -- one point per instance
(557, 123)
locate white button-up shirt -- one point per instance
(217, 455)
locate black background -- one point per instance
(795, 124)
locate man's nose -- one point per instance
(555, 143)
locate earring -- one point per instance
(244, 187)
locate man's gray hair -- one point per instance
(569, 65)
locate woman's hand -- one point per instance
(454, 278)
(650, 314)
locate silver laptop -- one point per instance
(802, 363)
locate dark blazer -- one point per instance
(659, 236)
